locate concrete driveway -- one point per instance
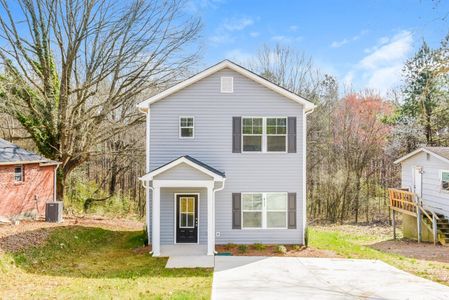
(241, 277)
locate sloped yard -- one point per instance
(79, 262)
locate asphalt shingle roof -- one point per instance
(10, 153)
(195, 161)
(441, 151)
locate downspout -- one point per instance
(54, 182)
(147, 169)
(213, 203)
(304, 175)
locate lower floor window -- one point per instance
(264, 210)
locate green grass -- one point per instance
(82, 263)
(351, 245)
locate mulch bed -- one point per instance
(270, 250)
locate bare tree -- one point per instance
(71, 71)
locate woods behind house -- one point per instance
(71, 76)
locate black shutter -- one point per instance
(291, 134)
(291, 210)
(236, 211)
(236, 134)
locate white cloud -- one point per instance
(390, 52)
(381, 68)
(286, 39)
(237, 24)
(254, 34)
(338, 44)
(293, 28)
(224, 34)
(239, 56)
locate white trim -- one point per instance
(183, 183)
(147, 169)
(156, 222)
(175, 212)
(41, 163)
(264, 211)
(221, 84)
(149, 176)
(264, 134)
(180, 127)
(304, 176)
(222, 65)
(418, 151)
(441, 181)
(21, 173)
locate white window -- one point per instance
(18, 173)
(252, 132)
(264, 134)
(186, 127)
(445, 180)
(264, 210)
(227, 85)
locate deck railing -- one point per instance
(403, 201)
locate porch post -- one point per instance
(210, 220)
(156, 221)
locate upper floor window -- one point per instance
(264, 134)
(186, 127)
(227, 84)
(445, 180)
(18, 173)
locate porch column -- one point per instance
(210, 220)
(156, 241)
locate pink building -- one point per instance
(27, 181)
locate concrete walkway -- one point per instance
(187, 256)
(285, 278)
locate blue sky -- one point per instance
(362, 43)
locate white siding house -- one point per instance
(225, 161)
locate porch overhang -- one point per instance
(204, 176)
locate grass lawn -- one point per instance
(93, 263)
(355, 242)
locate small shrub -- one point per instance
(281, 249)
(259, 246)
(296, 247)
(243, 248)
(230, 246)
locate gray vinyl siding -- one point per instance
(168, 213)
(183, 172)
(245, 172)
(433, 197)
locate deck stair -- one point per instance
(409, 203)
(442, 228)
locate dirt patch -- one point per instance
(270, 250)
(413, 249)
(31, 233)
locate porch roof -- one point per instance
(194, 163)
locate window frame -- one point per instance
(441, 181)
(264, 148)
(264, 211)
(180, 127)
(21, 173)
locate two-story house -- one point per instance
(226, 155)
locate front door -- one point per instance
(186, 218)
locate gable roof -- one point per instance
(13, 154)
(441, 153)
(199, 165)
(308, 106)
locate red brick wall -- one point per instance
(29, 195)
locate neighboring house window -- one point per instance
(445, 180)
(186, 127)
(264, 134)
(18, 173)
(264, 210)
(252, 131)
